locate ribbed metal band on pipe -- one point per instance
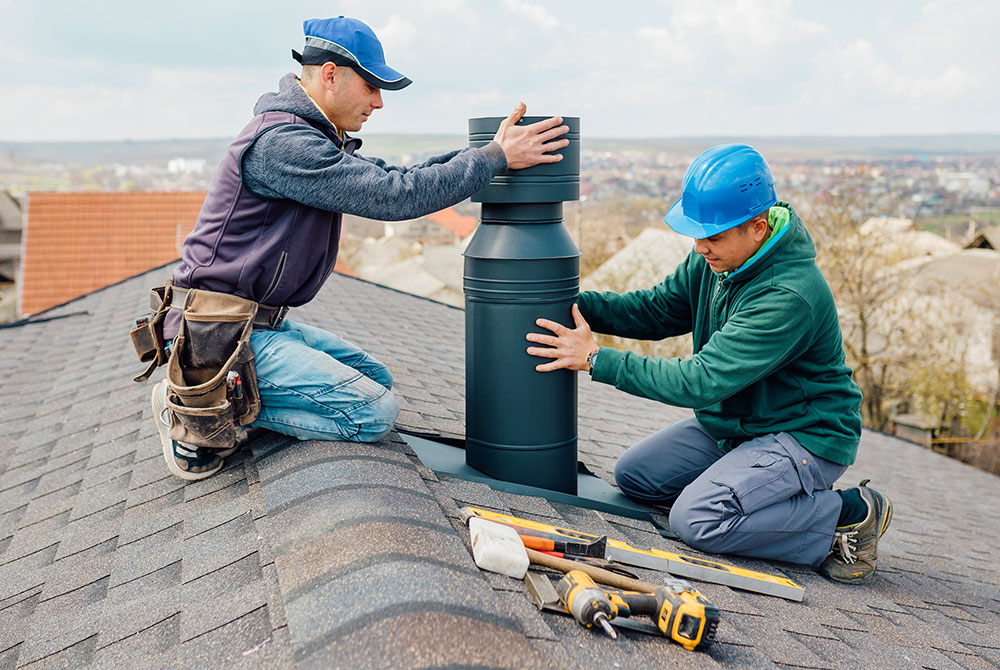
(521, 265)
(522, 290)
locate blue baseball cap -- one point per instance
(349, 42)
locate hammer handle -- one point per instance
(599, 575)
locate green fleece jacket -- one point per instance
(768, 355)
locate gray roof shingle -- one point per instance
(323, 554)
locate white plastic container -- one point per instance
(497, 548)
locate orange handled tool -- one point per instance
(595, 549)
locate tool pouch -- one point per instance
(147, 336)
(211, 374)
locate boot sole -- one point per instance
(168, 446)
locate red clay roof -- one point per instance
(457, 223)
(76, 243)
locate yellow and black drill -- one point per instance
(679, 611)
(586, 601)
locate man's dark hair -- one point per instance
(745, 226)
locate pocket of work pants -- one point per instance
(211, 373)
(772, 471)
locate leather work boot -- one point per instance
(185, 461)
(854, 555)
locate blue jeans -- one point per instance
(767, 498)
(314, 385)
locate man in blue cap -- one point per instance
(777, 414)
(267, 239)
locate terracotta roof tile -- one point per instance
(459, 224)
(76, 243)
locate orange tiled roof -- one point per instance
(79, 242)
(76, 243)
(457, 223)
(343, 268)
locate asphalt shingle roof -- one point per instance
(322, 554)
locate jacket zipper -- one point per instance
(715, 299)
(277, 278)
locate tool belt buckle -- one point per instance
(277, 316)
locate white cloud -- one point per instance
(449, 8)
(734, 26)
(155, 104)
(396, 35)
(744, 43)
(761, 24)
(533, 12)
(664, 49)
(859, 72)
(648, 67)
(10, 53)
(953, 43)
(482, 100)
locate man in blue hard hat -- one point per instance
(777, 414)
(267, 239)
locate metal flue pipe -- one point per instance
(521, 265)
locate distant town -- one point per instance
(907, 231)
(948, 185)
(942, 182)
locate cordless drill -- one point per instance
(678, 610)
(586, 602)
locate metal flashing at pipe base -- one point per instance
(592, 491)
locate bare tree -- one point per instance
(903, 343)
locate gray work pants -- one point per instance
(768, 498)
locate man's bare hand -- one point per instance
(570, 347)
(530, 145)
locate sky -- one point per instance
(74, 70)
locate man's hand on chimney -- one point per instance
(529, 145)
(569, 347)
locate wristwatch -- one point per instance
(591, 359)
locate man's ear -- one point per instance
(760, 227)
(328, 74)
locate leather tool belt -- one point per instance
(211, 374)
(267, 316)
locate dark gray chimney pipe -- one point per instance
(521, 265)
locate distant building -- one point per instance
(430, 271)
(186, 165)
(442, 227)
(986, 239)
(643, 262)
(967, 183)
(76, 243)
(460, 225)
(11, 223)
(640, 264)
(907, 240)
(914, 428)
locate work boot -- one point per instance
(185, 461)
(854, 554)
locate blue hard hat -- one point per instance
(723, 187)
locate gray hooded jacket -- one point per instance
(269, 229)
